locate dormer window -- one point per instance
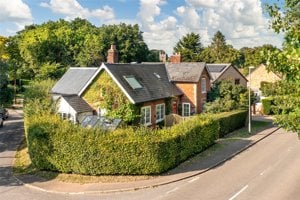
(134, 84)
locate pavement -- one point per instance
(215, 156)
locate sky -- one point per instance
(163, 22)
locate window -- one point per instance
(160, 112)
(133, 82)
(203, 85)
(146, 115)
(237, 81)
(186, 109)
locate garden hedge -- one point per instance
(230, 121)
(58, 145)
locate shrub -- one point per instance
(61, 146)
(230, 121)
(267, 105)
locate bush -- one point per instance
(267, 106)
(61, 146)
(230, 121)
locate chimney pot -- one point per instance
(176, 58)
(112, 56)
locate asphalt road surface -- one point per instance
(267, 170)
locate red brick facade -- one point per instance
(112, 55)
(193, 93)
(176, 58)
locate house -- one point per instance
(193, 79)
(68, 90)
(261, 74)
(226, 71)
(74, 108)
(144, 85)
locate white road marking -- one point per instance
(194, 179)
(239, 192)
(173, 190)
(263, 172)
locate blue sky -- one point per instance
(163, 22)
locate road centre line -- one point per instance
(173, 190)
(194, 179)
(239, 192)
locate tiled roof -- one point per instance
(74, 80)
(77, 103)
(152, 77)
(216, 70)
(185, 72)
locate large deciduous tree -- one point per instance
(47, 50)
(287, 62)
(189, 46)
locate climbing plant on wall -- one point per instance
(104, 93)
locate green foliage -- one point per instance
(47, 50)
(189, 46)
(106, 94)
(255, 56)
(219, 51)
(230, 121)
(267, 88)
(61, 146)
(287, 62)
(6, 92)
(225, 96)
(267, 105)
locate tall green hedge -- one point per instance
(230, 121)
(61, 146)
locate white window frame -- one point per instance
(160, 112)
(203, 85)
(189, 107)
(147, 123)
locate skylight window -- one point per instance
(133, 82)
(157, 75)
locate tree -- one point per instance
(6, 92)
(220, 52)
(47, 50)
(255, 56)
(189, 46)
(129, 41)
(225, 96)
(287, 62)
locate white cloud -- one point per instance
(157, 34)
(190, 17)
(242, 23)
(203, 3)
(16, 12)
(72, 9)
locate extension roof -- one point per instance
(152, 78)
(185, 71)
(77, 103)
(74, 80)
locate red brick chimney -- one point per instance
(175, 58)
(112, 56)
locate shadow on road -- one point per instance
(11, 136)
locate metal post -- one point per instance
(249, 121)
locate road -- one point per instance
(267, 170)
